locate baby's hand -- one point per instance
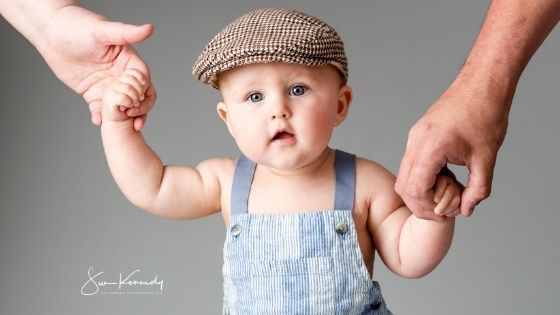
(447, 196)
(123, 95)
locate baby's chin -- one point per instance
(292, 163)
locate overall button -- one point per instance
(341, 228)
(236, 230)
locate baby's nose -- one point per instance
(280, 110)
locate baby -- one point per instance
(303, 220)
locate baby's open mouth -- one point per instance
(282, 135)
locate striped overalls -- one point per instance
(305, 263)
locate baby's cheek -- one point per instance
(320, 130)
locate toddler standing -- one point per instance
(303, 220)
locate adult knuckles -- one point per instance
(399, 186)
(414, 192)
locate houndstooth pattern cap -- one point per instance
(271, 35)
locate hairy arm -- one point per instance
(468, 123)
(512, 32)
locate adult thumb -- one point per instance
(118, 33)
(479, 185)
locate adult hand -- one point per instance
(465, 126)
(468, 123)
(85, 51)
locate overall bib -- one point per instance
(304, 263)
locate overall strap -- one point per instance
(345, 168)
(242, 179)
(345, 174)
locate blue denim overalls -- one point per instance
(305, 263)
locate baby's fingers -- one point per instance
(138, 81)
(439, 189)
(139, 75)
(448, 202)
(117, 99)
(133, 88)
(145, 106)
(453, 209)
(130, 97)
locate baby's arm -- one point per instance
(168, 191)
(409, 246)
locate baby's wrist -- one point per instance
(118, 125)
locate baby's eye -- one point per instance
(256, 97)
(298, 90)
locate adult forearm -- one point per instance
(510, 35)
(136, 168)
(30, 16)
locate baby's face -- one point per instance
(283, 115)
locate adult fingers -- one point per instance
(135, 63)
(406, 164)
(478, 186)
(95, 109)
(417, 192)
(421, 207)
(96, 117)
(117, 33)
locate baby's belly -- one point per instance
(365, 241)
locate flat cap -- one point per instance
(271, 35)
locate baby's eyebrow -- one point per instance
(237, 93)
(240, 91)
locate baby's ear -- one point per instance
(344, 101)
(221, 108)
(222, 111)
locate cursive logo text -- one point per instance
(94, 283)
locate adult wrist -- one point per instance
(30, 17)
(40, 38)
(483, 82)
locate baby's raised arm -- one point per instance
(168, 191)
(409, 246)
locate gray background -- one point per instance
(61, 213)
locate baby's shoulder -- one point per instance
(222, 167)
(373, 177)
(375, 190)
(368, 168)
